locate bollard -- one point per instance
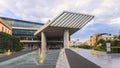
(93, 51)
(77, 49)
(40, 58)
(62, 52)
(8, 53)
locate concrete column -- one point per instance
(43, 41)
(66, 38)
(43, 44)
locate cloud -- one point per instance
(40, 9)
(106, 12)
(3, 5)
(115, 21)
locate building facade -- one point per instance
(96, 37)
(75, 43)
(24, 30)
(55, 33)
(5, 27)
(93, 40)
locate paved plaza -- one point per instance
(102, 59)
(72, 58)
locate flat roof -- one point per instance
(21, 20)
(66, 20)
(21, 23)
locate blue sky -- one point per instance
(106, 12)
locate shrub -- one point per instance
(84, 46)
(10, 42)
(100, 48)
(115, 49)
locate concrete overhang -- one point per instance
(65, 21)
(22, 28)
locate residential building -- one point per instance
(75, 43)
(107, 37)
(96, 37)
(93, 39)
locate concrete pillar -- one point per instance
(43, 44)
(66, 38)
(43, 41)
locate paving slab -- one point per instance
(15, 55)
(62, 61)
(77, 61)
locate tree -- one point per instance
(118, 37)
(101, 41)
(10, 42)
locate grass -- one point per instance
(100, 48)
(84, 46)
(115, 47)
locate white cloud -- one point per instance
(41, 9)
(3, 5)
(105, 11)
(115, 21)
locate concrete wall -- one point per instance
(5, 28)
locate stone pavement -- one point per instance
(62, 60)
(30, 66)
(15, 55)
(28, 60)
(77, 61)
(102, 59)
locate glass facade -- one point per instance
(25, 24)
(24, 34)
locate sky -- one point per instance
(106, 12)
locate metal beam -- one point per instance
(64, 21)
(58, 19)
(72, 21)
(68, 22)
(80, 21)
(61, 21)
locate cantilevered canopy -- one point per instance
(66, 20)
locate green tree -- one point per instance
(101, 41)
(10, 42)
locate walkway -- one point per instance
(62, 61)
(31, 60)
(4, 58)
(102, 59)
(77, 61)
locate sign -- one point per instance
(108, 45)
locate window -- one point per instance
(2, 29)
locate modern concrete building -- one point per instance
(5, 27)
(53, 34)
(58, 31)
